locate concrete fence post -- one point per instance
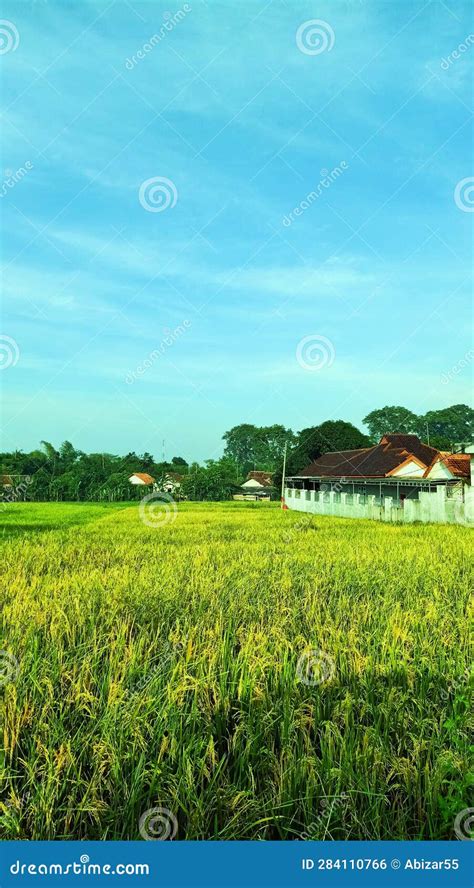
(408, 511)
(371, 506)
(439, 504)
(356, 509)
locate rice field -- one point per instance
(256, 675)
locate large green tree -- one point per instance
(178, 461)
(449, 426)
(388, 420)
(256, 447)
(444, 428)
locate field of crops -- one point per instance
(257, 676)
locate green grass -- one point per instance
(158, 666)
(19, 518)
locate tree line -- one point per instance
(68, 474)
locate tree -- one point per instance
(40, 485)
(216, 481)
(147, 461)
(242, 443)
(256, 447)
(118, 487)
(339, 435)
(50, 451)
(449, 426)
(178, 461)
(273, 440)
(388, 420)
(68, 454)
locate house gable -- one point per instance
(449, 466)
(263, 479)
(410, 468)
(439, 471)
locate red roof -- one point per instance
(459, 464)
(371, 462)
(147, 479)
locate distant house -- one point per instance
(141, 478)
(398, 478)
(257, 487)
(262, 479)
(171, 483)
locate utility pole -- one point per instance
(427, 435)
(283, 477)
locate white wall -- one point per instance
(429, 507)
(411, 470)
(439, 471)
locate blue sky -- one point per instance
(244, 120)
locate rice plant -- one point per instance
(258, 676)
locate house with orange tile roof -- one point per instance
(398, 474)
(141, 478)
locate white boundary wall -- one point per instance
(429, 507)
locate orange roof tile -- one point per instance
(147, 479)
